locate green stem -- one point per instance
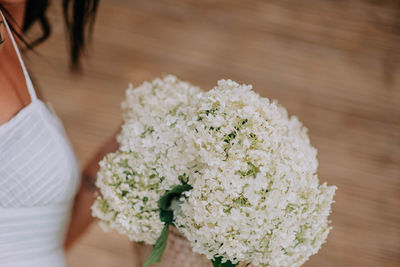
(159, 247)
(166, 216)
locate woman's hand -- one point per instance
(81, 213)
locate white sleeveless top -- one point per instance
(38, 181)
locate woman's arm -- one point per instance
(81, 213)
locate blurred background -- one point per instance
(334, 64)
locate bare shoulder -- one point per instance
(10, 103)
(13, 92)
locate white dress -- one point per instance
(38, 181)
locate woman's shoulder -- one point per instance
(10, 103)
(14, 94)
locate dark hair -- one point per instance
(79, 17)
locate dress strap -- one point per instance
(28, 81)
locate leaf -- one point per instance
(217, 262)
(158, 249)
(166, 215)
(165, 200)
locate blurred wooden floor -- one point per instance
(335, 64)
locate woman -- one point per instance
(42, 206)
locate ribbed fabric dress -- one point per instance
(38, 181)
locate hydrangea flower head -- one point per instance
(151, 158)
(257, 197)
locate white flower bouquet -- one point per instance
(231, 170)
